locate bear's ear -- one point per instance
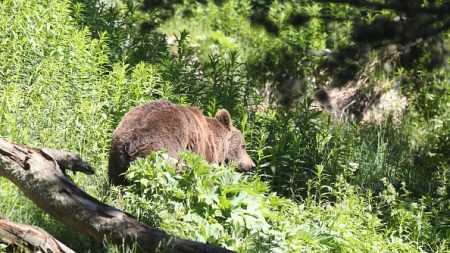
(223, 116)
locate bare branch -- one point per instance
(17, 235)
(68, 160)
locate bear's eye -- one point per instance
(243, 146)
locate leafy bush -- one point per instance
(287, 146)
(123, 25)
(216, 204)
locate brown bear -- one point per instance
(160, 124)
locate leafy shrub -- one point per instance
(216, 204)
(218, 82)
(123, 26)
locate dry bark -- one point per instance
(40, 177)
(21, 236)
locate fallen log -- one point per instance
(19, 236)
(42, 180)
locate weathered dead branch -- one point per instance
(20, 236)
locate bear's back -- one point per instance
(138, 116)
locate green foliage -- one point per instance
(287, 145)
(219, 82)
(215, 204)
(273, 60)
(55, 91)
(129, 37)
(416, 29)
(69, 71)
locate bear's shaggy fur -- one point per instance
(161, 124)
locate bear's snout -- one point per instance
(247, 165)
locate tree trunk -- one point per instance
(39, 176)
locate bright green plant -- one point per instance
(123, 25)
(215, 204)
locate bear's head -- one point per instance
(236, 152)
